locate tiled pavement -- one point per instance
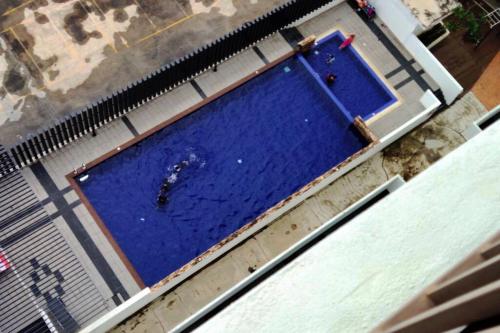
(95, 254)
(46, 274)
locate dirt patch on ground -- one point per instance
(41, 18)
(73, 24)
(72, 52)
(418, 150)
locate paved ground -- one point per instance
(58, 55)
(46, 275)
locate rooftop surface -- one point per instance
(444, 214)
(58, 56)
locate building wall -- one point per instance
(399, 19)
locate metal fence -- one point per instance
(162, 80)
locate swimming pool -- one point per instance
(227, 163)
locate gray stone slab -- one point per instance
(105, 247)
(274, 47)
(73, 156)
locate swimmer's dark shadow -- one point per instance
(167, 183)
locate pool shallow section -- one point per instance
(357, 88)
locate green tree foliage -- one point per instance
(466, 19)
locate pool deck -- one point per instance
(407, 157)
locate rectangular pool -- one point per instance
(227, 163)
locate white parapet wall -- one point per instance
(404, 26)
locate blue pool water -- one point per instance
(242, 153)
(357, 87)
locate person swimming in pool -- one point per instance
(170, 180)
(330, 78)
(162, 197)
(178, 167)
